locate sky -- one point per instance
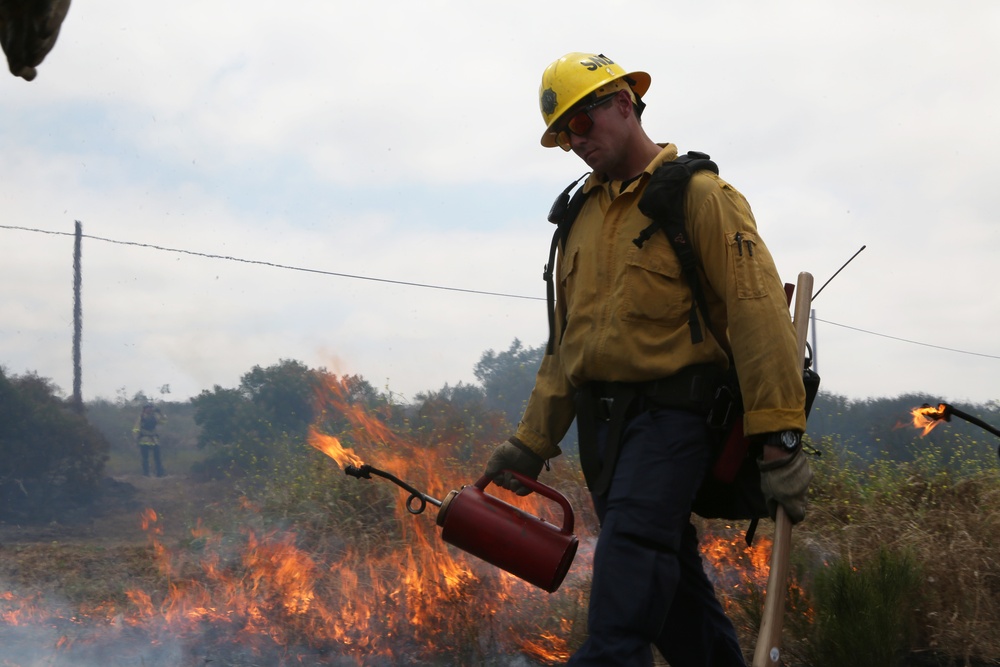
(360, 186)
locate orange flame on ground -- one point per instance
(735, 564)
(18, 610)
(740, 572)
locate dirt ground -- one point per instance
(97, 554)
(178, 501)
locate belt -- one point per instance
(692, 388)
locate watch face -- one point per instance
(789, 440)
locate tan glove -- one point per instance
(785, 482)
(513, 455)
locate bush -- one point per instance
(240, 426)
(53, 458)
(944, 519)
(866, 613)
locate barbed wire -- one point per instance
(276, 265)
(337, 274)
(906, 340)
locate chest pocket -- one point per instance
(654, 290)
(568, 272)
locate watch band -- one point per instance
(790, 441)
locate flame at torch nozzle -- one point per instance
(927, 417)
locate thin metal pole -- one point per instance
(77, 319)
(815, 354)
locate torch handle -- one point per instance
(538, 487)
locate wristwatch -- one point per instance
(789, 441)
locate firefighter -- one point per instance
(624, 350)
(148, 439)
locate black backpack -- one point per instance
(149, 422)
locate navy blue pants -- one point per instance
(156, 459)
(649, 586)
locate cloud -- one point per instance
(400, 142)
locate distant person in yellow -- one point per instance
(148, 439)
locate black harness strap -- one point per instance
(562, 214)
(663, 201)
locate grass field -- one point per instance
(896, 564)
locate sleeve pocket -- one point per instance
(747, 258)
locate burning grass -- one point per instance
(325, 569)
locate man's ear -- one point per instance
(623, 103)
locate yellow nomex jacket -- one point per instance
(622, 311)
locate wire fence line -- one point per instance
(337, 274)
(906, 340)
(276, 265)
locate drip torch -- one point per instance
(524, 545)
(945, 412)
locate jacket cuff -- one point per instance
(769, 421)
(535, 443)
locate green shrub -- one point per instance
(866, 613)
(53, 460)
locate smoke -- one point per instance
(40, 629)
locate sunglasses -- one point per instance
(580, 122)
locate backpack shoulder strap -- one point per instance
(663, 201)
(562, 214)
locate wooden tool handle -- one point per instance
(768, 650)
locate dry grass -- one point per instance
(948, 522)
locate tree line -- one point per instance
(53, 459)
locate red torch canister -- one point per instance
(513, 540)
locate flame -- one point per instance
(550, 648)
(148, 519)
(926, 418)
(735, 566)
(18, 610)
(740, 572)
(331, 446)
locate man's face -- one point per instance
(600, 139)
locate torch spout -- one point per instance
(361, 472)
(415, 504)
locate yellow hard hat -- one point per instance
(576, 75)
